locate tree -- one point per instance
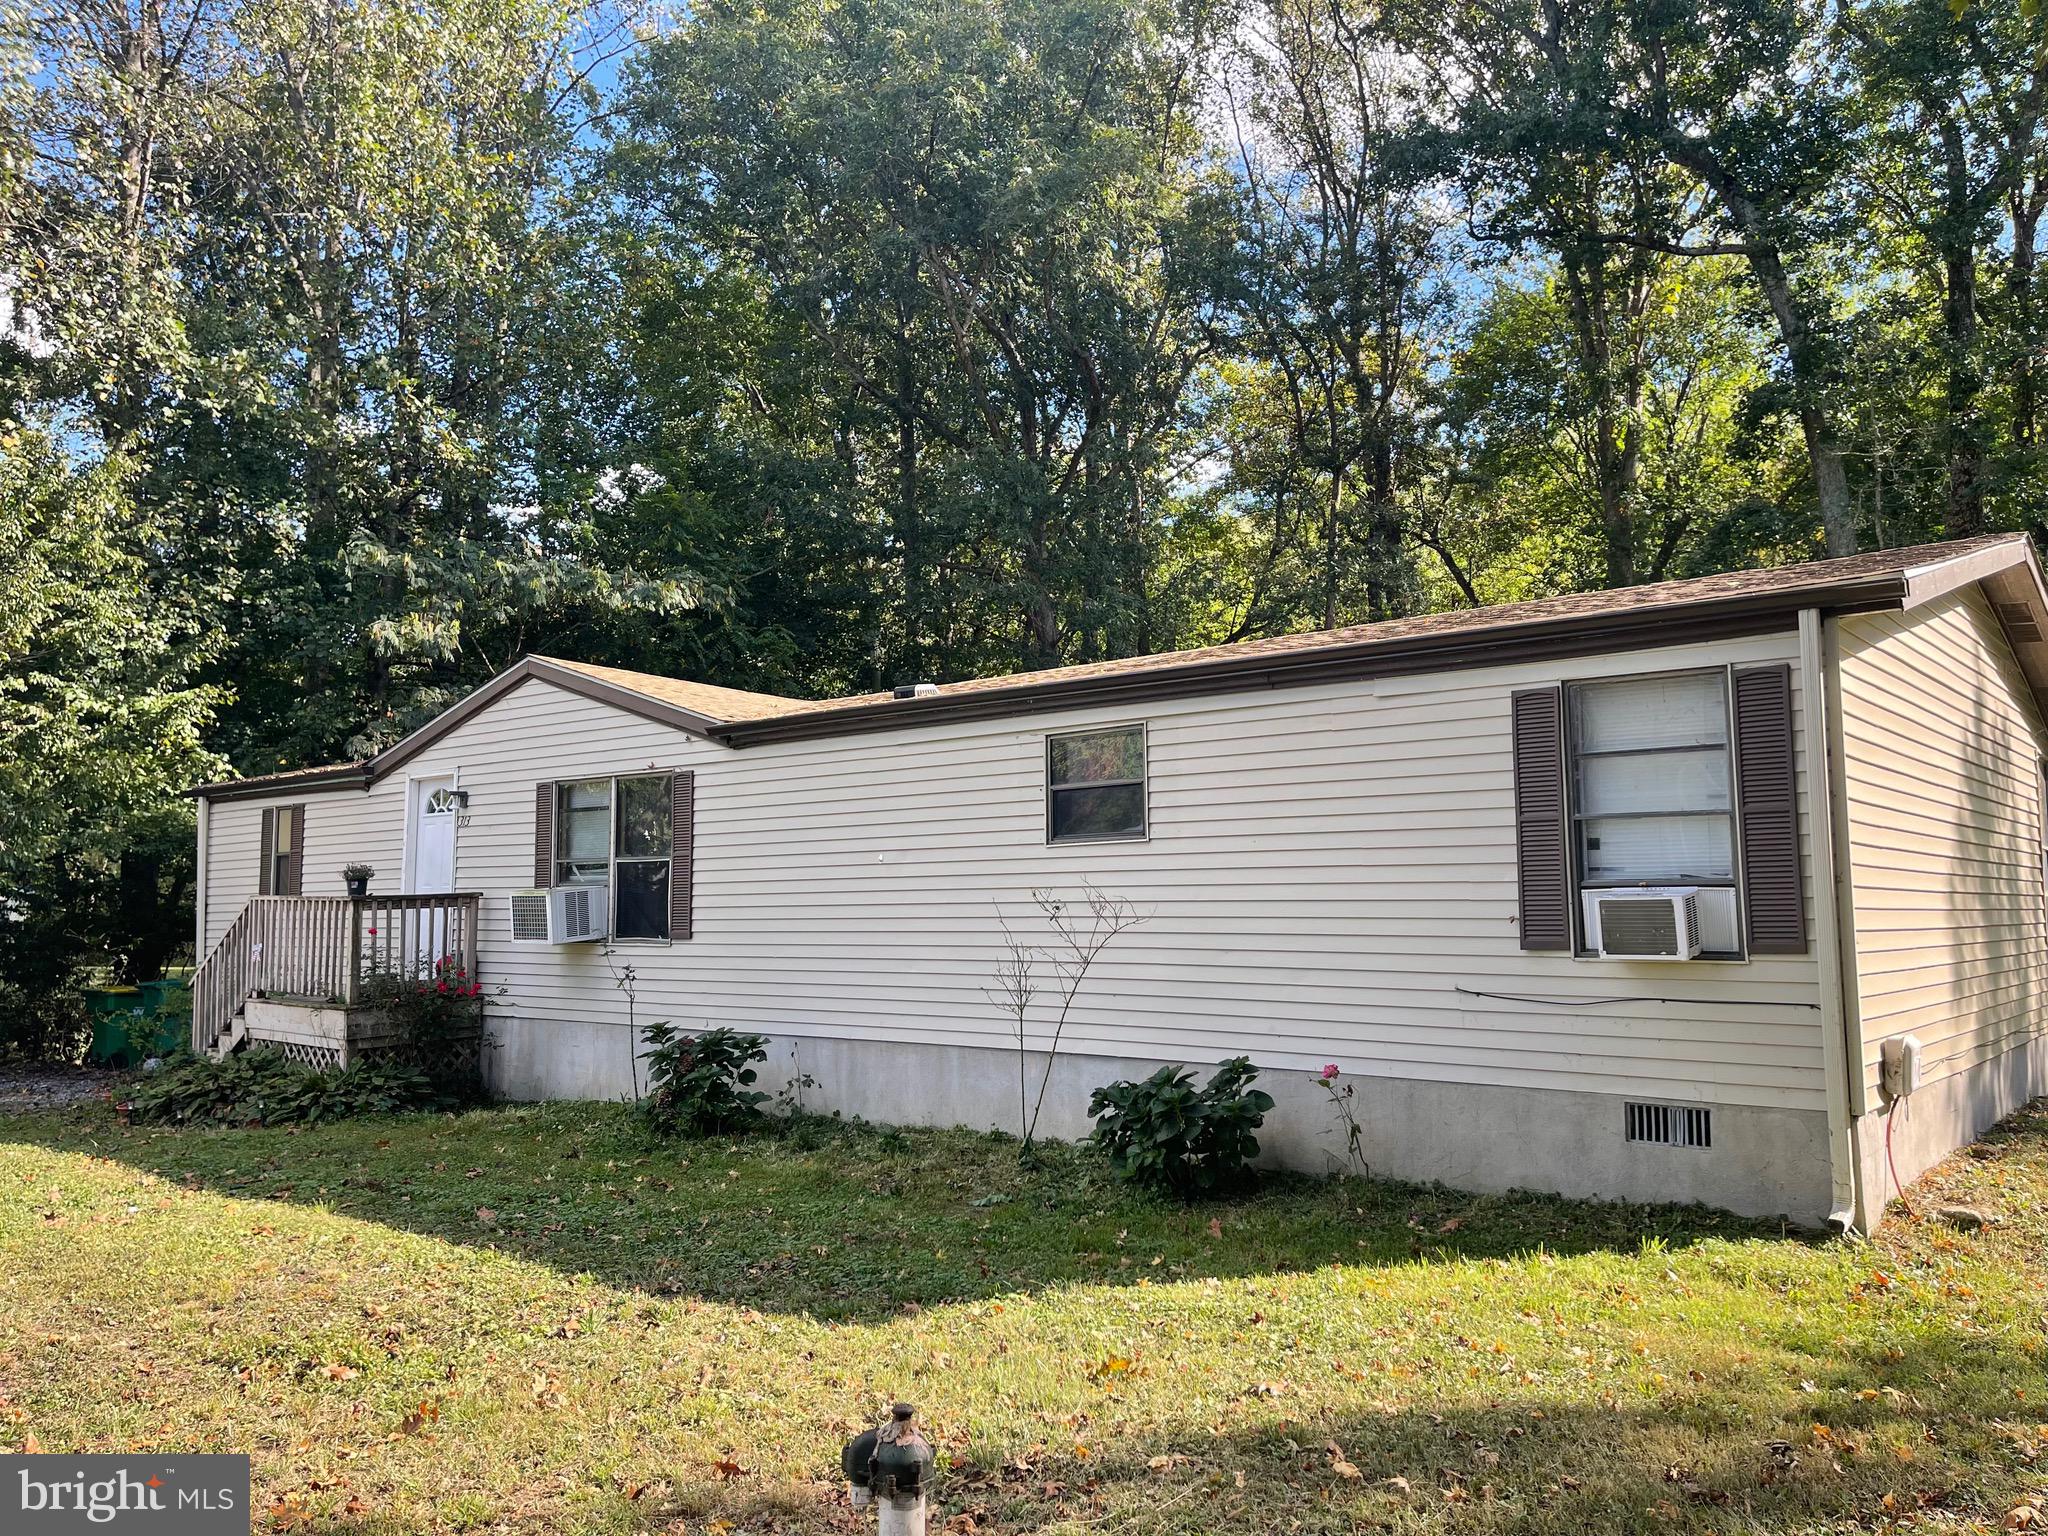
(1340, 283)
(1542, 170)
(1955, 96)
(1746, 98)
(984, 226)
(102, 723)
(1534, 451)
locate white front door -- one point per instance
(431, 849)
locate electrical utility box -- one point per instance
(1898, 1072)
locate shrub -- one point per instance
(260, 1087)
(1167, 1133)
(438, 1026)
(701, 1084)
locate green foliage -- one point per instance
(698, 1085)
(437, 1025)
(259, 1087)
(1166, 1133)
(102, 720)
(346, 353)
(964, 352)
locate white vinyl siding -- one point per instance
(1329, 876)
(342, 827)
(1941, 748)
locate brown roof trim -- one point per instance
(1630, 619)
(290, 782)
(528, 669)
(537, 669)
(1456, 650)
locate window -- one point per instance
(640, 885)
(616, 833)
(583, 841)
(283, 844)
(1095, 785)
(1652, 785)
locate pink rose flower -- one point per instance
(1329, 1074)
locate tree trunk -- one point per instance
(909, 533)
(1805, 353)
(2026, 207)
(1385, 591)
(1332, 530)
(1816, 425)
(1965, 444)
(1965, 448)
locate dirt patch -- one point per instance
(52, 1087)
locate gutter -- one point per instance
(346, 776)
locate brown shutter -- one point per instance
(269, 847)
(1544, 874)
(544, 835)
(295, 870)
(682, 833)
(1767, 812)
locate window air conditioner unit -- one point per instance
(568, 914)
(1650, 923)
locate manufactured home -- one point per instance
(1729, 889)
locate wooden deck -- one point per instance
(319, 951)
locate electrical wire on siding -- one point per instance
(1602, 1002)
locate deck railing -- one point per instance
(323, 948)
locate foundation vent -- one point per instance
(1669, 1125)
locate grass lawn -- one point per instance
(533, 1319)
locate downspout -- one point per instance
(1819, 706)
(199, 887)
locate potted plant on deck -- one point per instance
(358, 878)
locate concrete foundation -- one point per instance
(1938, 1117)
(1764, 1162)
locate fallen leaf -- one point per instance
(728, 1469)
(419, 1418)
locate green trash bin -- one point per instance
(119, 1015)
(131, 1024)
(171, 1001)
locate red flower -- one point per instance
(373, 933)
(440, 986)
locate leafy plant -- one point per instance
(1164, 1132)
(437, 1024)
(1344, 1102)
(357, 872)
(701, 1084)
(262, 1087)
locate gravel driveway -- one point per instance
(52, 1087)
